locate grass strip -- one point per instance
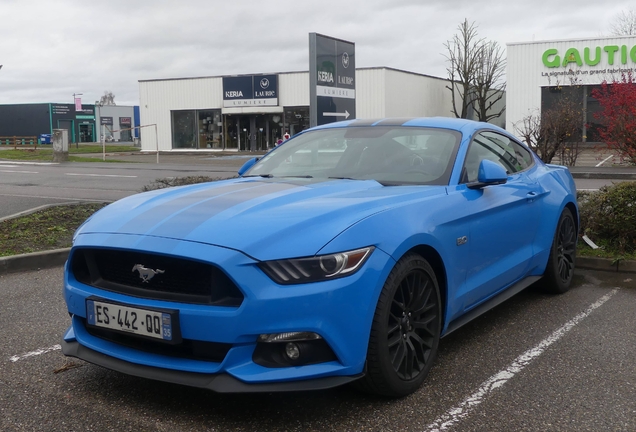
(47, 229)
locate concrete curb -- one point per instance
(604, 176)
(33, 261)
(606, 264)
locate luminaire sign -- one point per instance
(250, 91)
(332, 80)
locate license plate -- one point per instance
(143, 322)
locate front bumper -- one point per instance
(220, 383)
(340, 310)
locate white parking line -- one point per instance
(22, 172)
(604, 160)
(35, 353)
(100, 175)
(459, 412)
(33, 163)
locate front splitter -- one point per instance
(220, 383)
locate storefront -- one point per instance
(117, 123)
(541, 73)
(80, 124)
(251, 112)
(83, 125)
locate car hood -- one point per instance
(265, 218)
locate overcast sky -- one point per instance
(51, 49)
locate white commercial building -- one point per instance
(216, 113)
(540, 72)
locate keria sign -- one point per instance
(590, 57)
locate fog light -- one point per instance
(292, 351)
(288, 337)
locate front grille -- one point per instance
(187, 348)
(167, 277)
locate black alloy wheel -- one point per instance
(410, 338)
(405, 331)
(560, 269)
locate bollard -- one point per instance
(60, 145)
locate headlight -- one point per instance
(318, 268)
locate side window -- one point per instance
(512, 156)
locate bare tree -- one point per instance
(550, 132)
(107, 99)
(624, 23)
(475, 71)
(463, 53)
(489, 86)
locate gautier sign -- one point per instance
(613, 54)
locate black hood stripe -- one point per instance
(214, 202)
(151, 217)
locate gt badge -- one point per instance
(462, 240)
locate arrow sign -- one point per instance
(344, 114)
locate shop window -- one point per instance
(554, 98)
(184, 132)
(125, 124)
(296, 119)
(210, 128)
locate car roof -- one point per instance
(463, 125)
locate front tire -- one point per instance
(560, 269)
(405, 331)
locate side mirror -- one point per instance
(247, 165)
(490, 173)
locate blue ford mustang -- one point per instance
(343, 255)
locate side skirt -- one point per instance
(486, 306)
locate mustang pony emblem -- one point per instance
(145, 273)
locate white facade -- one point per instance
(586, 62)
(380, 93)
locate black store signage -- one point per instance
(332, 79)
(250, 90)
(125, 121)
(106, 121)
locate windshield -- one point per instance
(389, 155)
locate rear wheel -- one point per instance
(560, 269)
(405, 331)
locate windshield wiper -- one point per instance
(298, 176)
(260, 175)
(343, 178)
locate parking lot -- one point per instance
(536, 362)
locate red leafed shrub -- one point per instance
(618, 116)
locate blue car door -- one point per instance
(502, 219)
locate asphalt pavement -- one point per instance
(495, 374)
(535, 363)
